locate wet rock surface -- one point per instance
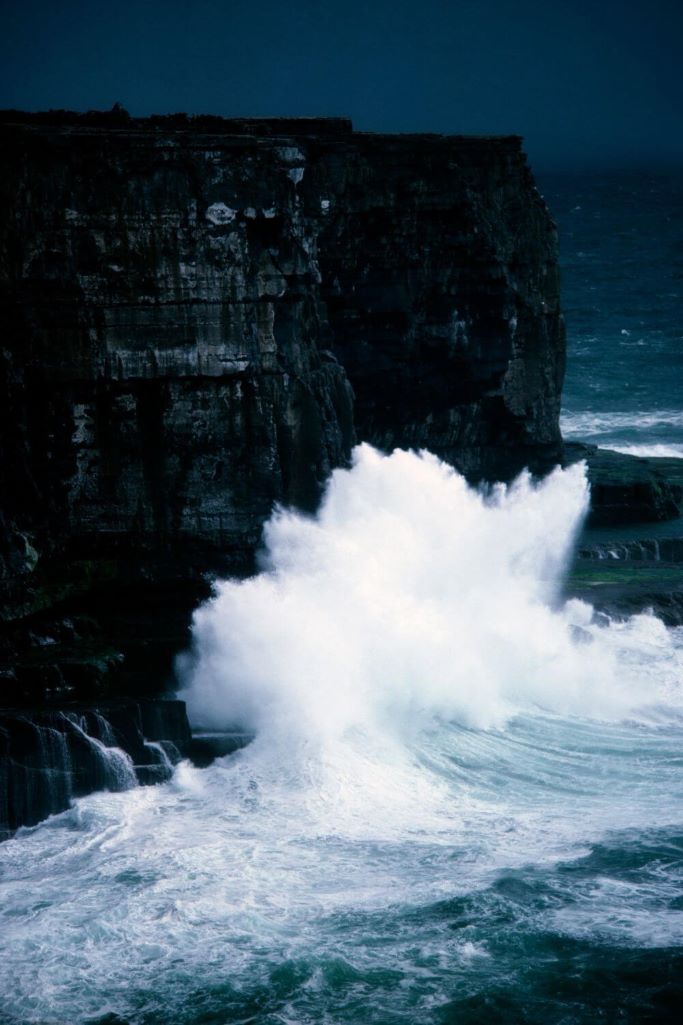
(207, 746)
(630, 558)
(51, 756)
(621, 590)
(629, 489)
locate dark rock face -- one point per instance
(47, 758)
(622, 589)
(200, 319)
(190, 305)
(162, 378)
(439, 275)
(625, 564)
(629, 489)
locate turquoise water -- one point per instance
(464, 800)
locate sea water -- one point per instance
(621, 239)
(463, 802)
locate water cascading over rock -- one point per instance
(49, 757)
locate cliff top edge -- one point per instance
(119, 119)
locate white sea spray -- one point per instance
(411, 595)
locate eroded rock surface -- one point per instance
(49, 757)
(189, 307)
(628, 489)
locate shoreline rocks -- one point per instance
(628, 489)
(50, 756)
(630, 557)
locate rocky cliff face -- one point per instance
(190, 306)
(201, 317)
(439, 275)
(164, 380)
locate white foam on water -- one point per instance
(409, 596)
(429, 715)
(410, 600)
(586, 423)
(665, 451)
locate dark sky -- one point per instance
(585, 81)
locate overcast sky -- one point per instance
(584, 81)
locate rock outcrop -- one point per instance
(51, 756)
(200, 319)
(190, 306)
(629, 489)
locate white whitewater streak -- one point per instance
(588, 423)
(670, 451)
(410, 596)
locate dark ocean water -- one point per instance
(621, 238)
(463, 804)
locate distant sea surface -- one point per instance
(621, 244)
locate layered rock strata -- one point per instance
(190, 306)
(49, 757)
(628, 489)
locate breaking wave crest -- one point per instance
(412, 596)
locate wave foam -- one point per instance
(654, 451)
(410, 596)
(596, 423)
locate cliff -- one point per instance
(201, 317)
(49, 757)
(191, 305)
